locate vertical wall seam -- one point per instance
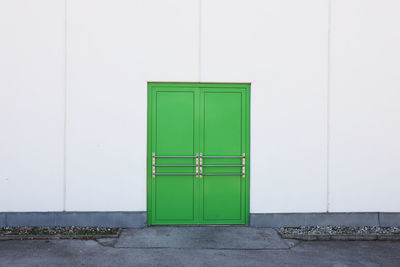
(328, 109)
(199, 35)
(65, 109)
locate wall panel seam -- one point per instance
(199, 39)
(65, 108)
(328, 108)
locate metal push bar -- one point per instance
(174, 165)
(216, 174)
(221, 157)
(175, 173)
(199, 165)
(240, 165)
(175, 156)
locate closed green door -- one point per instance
(198, 153)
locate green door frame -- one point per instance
(206, 86)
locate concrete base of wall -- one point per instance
(324, 219)
(139, 219)
(106, 219)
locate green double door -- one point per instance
(198, 153)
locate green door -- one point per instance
(198, 153)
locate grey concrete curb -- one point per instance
(341, 237)
(131, 219)
(325, 219)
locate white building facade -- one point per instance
(325, 112)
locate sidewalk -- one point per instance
(198, 246)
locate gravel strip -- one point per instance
(340, 233)
(12, 233)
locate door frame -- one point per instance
(150, 86)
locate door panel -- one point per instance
(222, 123)
(175, 119)
(222, 198)
(186, 121)
(174, 134)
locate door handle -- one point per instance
(154, 165)
(222, 157)
(199, 165)
(243, 165)
(173, 156)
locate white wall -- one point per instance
(281, 47)
(31, 105)
(113, 47)
(365, 106)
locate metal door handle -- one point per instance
(243, 165)
(175, 165)
(214, 165)
(222, 174)
(154, 165)
(168, 173)
(199, 165)
(222, 157)
(174, 156)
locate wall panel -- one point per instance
(114, 48)
(31, 105)
(365, 97)
(281, 48)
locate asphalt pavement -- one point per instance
(198, 246)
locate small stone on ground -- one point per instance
(339, 230)
(53, 231)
